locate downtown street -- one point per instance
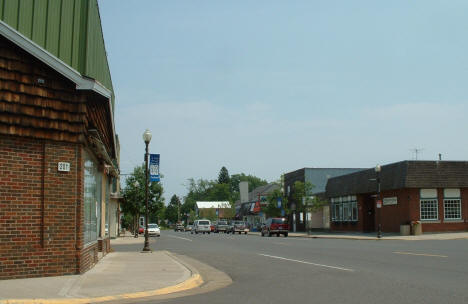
(295, 270)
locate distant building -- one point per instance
(250, 209)
(434, 193)
(213, 210)
(318, 177)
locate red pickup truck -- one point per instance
(275, 225)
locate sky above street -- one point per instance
(268, 87)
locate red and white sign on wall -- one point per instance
(379, 204)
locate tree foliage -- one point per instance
(223, 177)
(302, 195)
(172, 209)
(134, 195)
(253, 181)
(225, 188)
(272, 209)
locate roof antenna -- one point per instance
(416, 152)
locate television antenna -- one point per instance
(416, 152)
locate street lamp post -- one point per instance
(147, 139)
(379, 200)
(136, 184)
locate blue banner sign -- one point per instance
(279, 202)
(154, 168)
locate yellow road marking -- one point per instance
(422, 254)
(194, 281)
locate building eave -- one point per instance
(82, 83)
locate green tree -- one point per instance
(219, 192)
(303, 196)
(172, 209)
(253, 181)
(223, 177)
(272, 209)
(134, 196)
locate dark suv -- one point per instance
(275, 225)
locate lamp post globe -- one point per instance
(146, 139)
(147, 136)
(377, 168)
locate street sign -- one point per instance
(279, 202)
(379, 204)
(154, 168)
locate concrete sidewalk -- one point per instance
(117, 276)
(372, 236)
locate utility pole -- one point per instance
(178, 210)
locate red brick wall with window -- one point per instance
(40, 209)
(406, 210)
(443, 225)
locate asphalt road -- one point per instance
(298, 270)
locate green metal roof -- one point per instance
(69, 29)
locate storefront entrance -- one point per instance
(368, 211)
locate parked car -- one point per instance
(275, 225)
(153, 229)
(188, 227)
(239, 227)
(222, 226)
(179, 227)
(201, 226)
(141, 230)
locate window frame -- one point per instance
(91, 208)
(435, 201)
(452, 199)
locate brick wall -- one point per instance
(406, 210)
(442, 225)
(39, 207)
(88, 256)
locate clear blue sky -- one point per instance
(267, 87)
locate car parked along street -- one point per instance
(276, 226)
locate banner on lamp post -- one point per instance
(154, 168)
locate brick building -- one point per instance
(58, 147)
(432, 192)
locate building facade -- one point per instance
(58, 147)
(318, 177)
(250, 208)
(213, 210)
(434, 193)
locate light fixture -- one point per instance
(147, 136)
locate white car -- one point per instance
(153, 229)
(201, 226)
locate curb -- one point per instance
(389, 238)
(194, 281)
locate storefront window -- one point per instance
(429, 205)
(107, 189)
(92, 198)
(354, 209)
(452, 204)
(345, 209)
